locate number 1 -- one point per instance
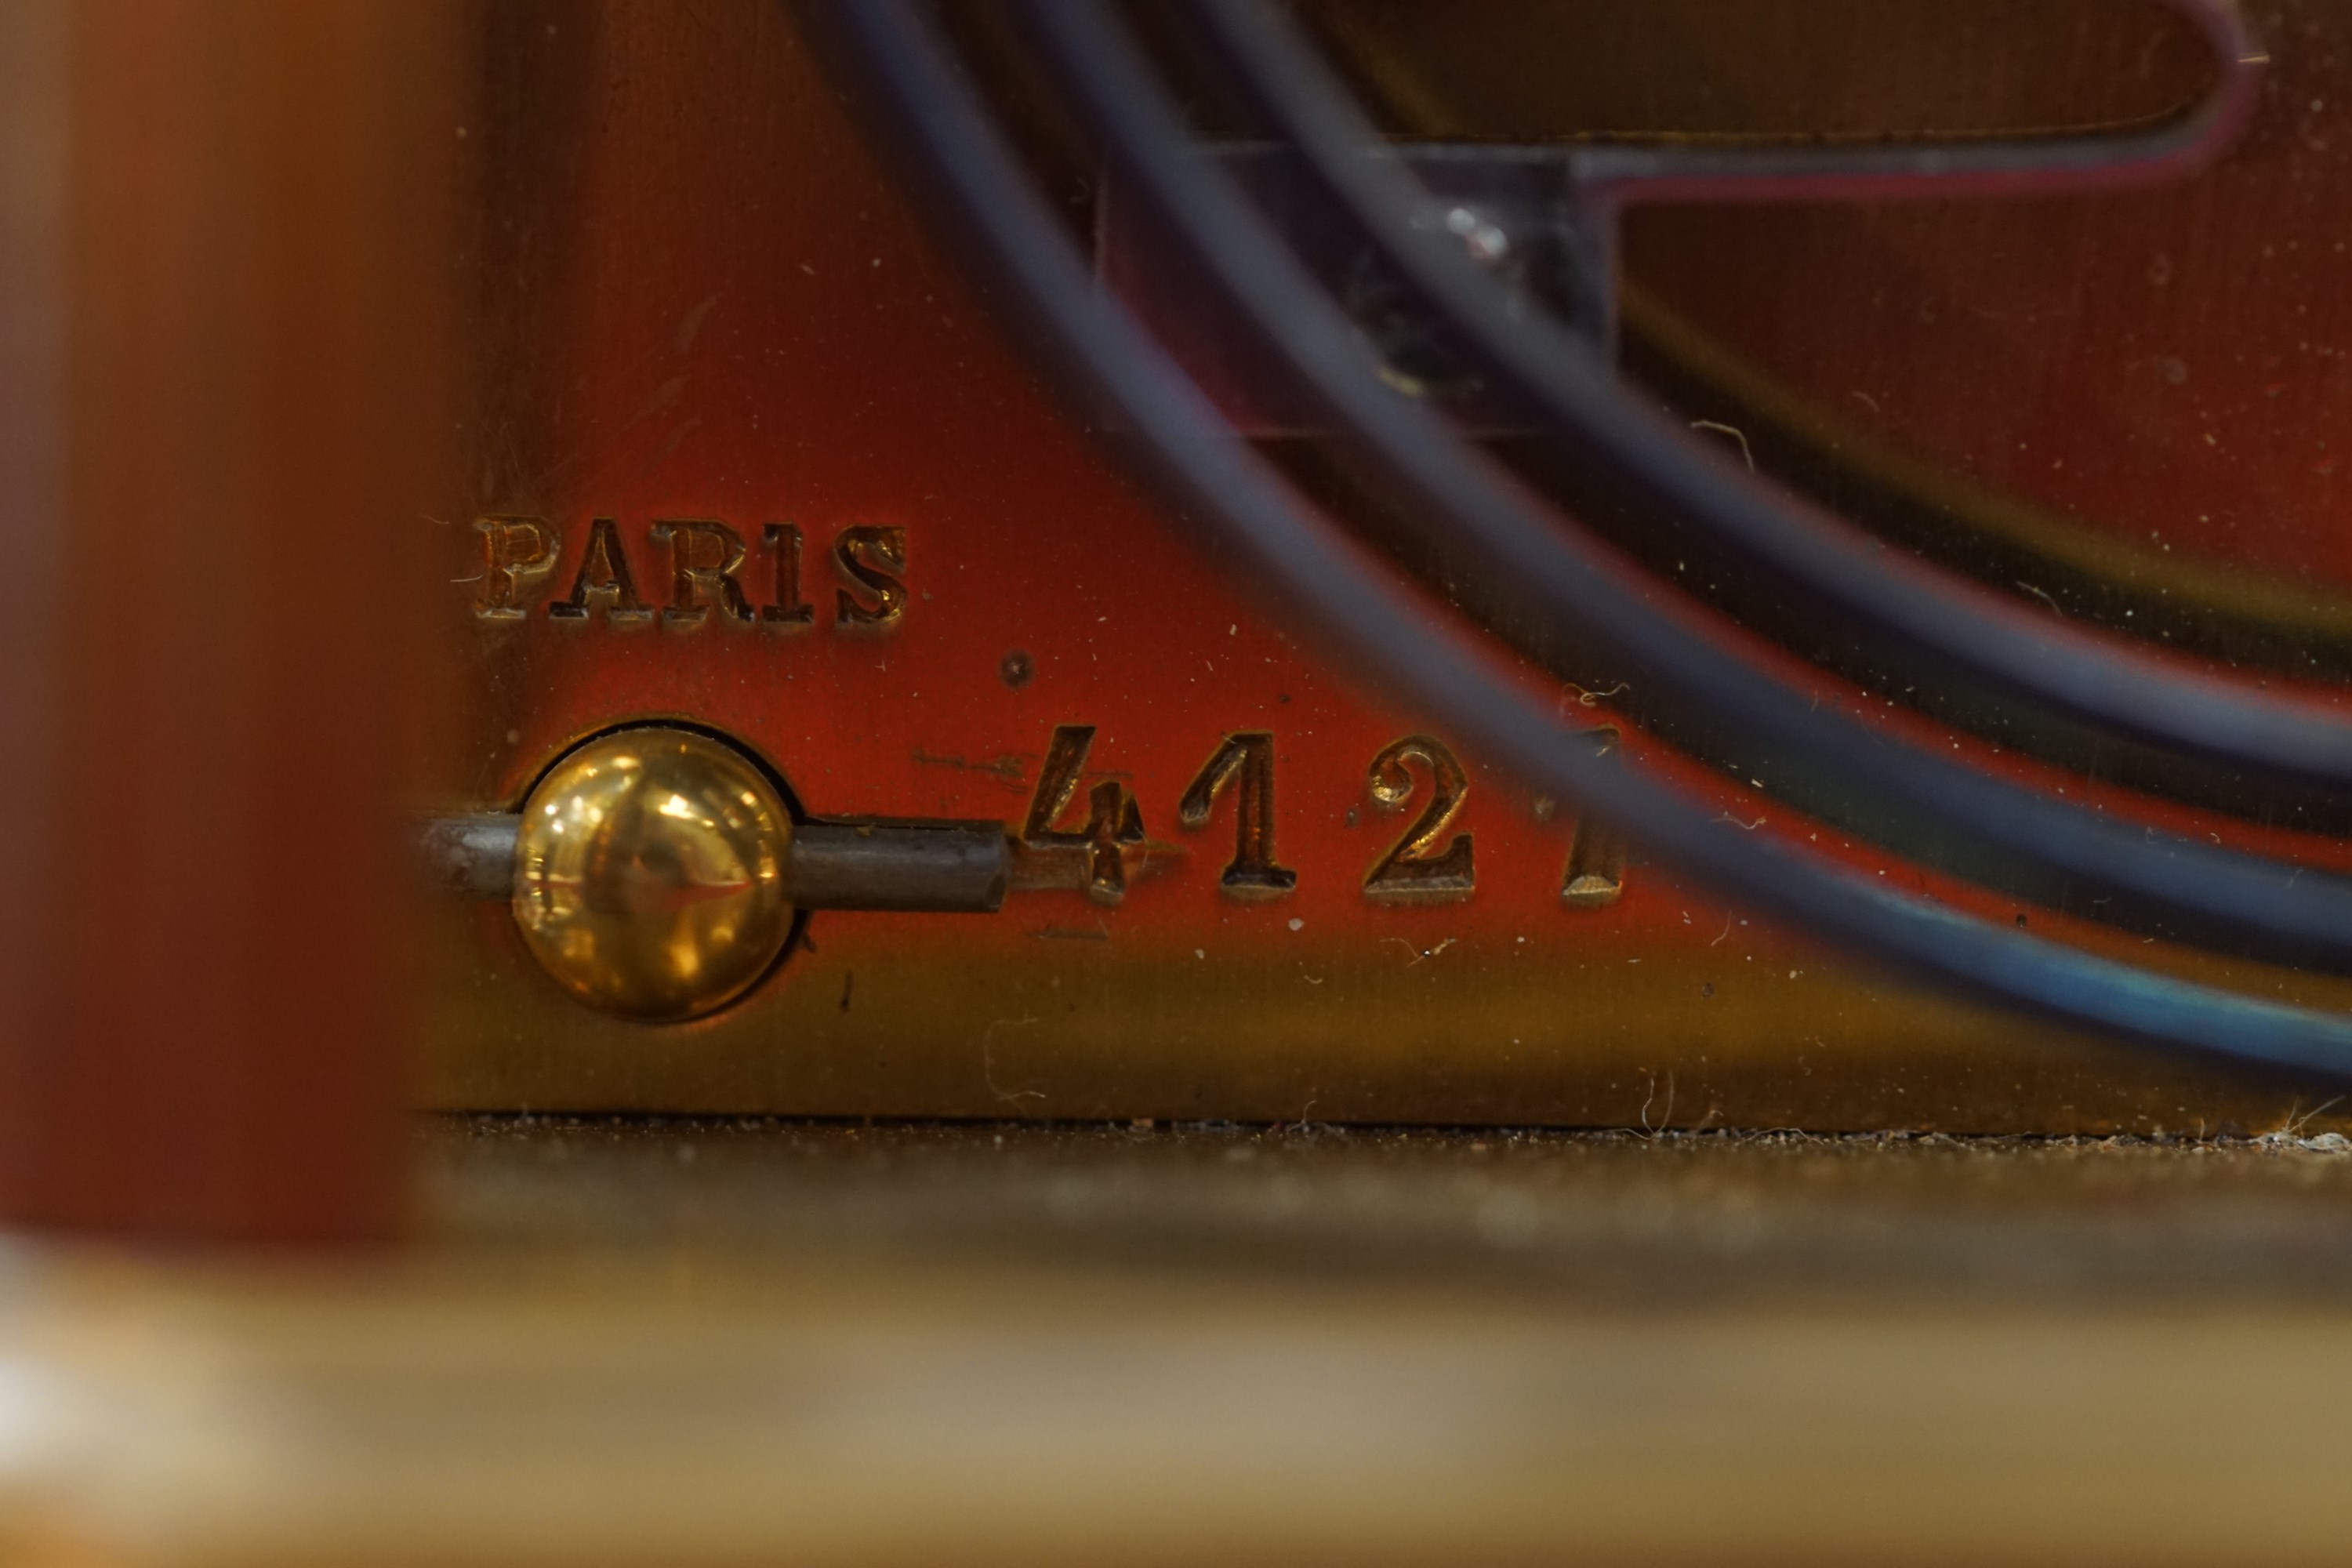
(1247, 755)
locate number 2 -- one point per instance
(1416, 868)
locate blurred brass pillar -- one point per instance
(235, 341)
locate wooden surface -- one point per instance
(757, 1342)
(240, 222)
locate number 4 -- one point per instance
(1113, 824)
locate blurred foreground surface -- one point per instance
(700, 1341)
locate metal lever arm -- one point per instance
(947, 867)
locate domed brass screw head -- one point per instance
(650, 874)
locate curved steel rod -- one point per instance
(1800, 549)
(1226, 493)
(1908, 797)
(2228, 614)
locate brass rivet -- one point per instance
(650, 874)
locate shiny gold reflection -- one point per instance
(649, 874)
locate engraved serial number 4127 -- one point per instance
(1429, 862)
